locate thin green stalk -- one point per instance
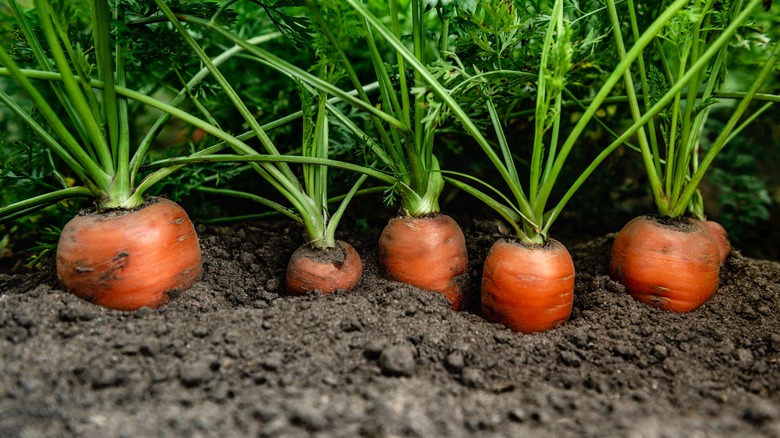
(21, 208)
(227, 89)
(557, 105)
(503, 145)
(388, 94)
(349, 69)
(584, 175)
(417, 172)
(105, 67)
(671, 146)
(666, 69)
(146, 143)
(444, 36)
(440, 92)
(73, 91)
(581, 104)
(542, 105)
(654, 179)
(691, 142)
(281, 174)
(77, 60)
(118, 109)
(724, 135)
(70, 149)
(81, 173)
(654, 149)
(693, 91)
(503, 210)
(418, 31)
(645, 39)
(43, 62)
(320, 150)
(254, 198)
(293, 71)
(404, 88)
(749, 121)
(335, 218)
(261, 158)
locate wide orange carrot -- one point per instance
(669, 264)
(528, 288)
(721, 238)
(129, 259)
(426, 252)
(325, 270)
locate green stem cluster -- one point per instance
(701, 60)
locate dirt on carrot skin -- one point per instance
(233, 356)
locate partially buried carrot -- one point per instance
(326, 270)
(130, 259)
(528, 287)
(426, 252)
(670, 264)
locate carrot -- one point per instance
(670, 264)
(721, 238)
(426, 252)
(527, 287)
(129, 259)
(326, 270)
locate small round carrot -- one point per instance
(129, 259)
(721, 238)
(669, 264)
(528, 288)
(325, 270)
(426, 252)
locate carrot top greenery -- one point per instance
(527, 206)
(81, 97)
(680, 80)
(424, 66)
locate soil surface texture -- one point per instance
(233, 356)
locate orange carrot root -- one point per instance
(670, 265)
(528, 288)
(426, 252)
(130, 259)
(323, 270)
(721, 238)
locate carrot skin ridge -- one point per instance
(126, 260)
(721, 238)
(428, 253)
(311, 269)
(528, 288)
(672, 266)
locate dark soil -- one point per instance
(234, 357)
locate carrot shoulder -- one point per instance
(721, 238)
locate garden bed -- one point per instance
(234, 357)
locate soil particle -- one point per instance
(398, 360)
(234, 357)
(193, 374)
